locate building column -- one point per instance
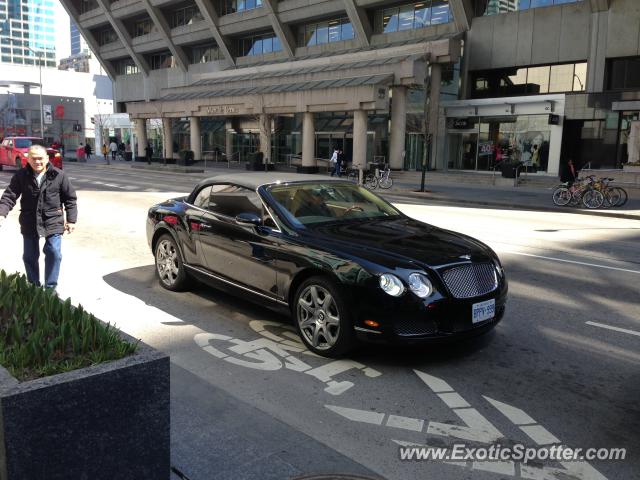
(167, 135)
(398, 127)
(434, 107)
(308, 140)
(265, 137)
(195, 143)
(359, 158)
(228, 139)
(141, 136)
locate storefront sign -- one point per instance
(460, 123)
(222, 109)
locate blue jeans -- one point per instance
(52, 258)
(336, 169)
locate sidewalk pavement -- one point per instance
(437, 190)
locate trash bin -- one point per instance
(511, 170)
(255, 161)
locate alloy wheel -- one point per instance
(318, 317)
(167, 262)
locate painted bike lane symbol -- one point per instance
(274, 352)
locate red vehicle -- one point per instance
(14, 150)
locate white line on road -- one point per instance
(573, 261)
(364, 416)
(610, 327)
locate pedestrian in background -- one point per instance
(41, 215)
(333, 163)
(113, 148)
(105, 153)
(87, 151)
(568, 172)
(148, 153)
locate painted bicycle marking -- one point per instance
(274, 352)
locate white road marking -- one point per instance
(514, 414)
(407, 423)
(476, 427)
(363, 416)
(541, 436)
(434, 383)
(586, 264)
(616, 329)
(453, 400)
(501, 468)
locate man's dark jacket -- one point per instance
(41, 207)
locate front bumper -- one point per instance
(409, 319)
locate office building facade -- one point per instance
(27, 30)
(532, 81)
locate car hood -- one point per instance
(400, 242)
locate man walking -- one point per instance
(148, 153)
(113, 148)
(44, 190)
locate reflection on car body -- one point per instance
(343, 262)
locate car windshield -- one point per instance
(27, 142)
(311, 203)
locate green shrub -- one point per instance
(41, 335)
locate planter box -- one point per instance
(108, 421)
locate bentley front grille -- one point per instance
(472, 280)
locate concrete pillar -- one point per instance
(167, 135)
(196, 144)
(308, 140)
(265, 137)
(141, 136)
(596, 61)
(359, 159)
(228, 140)
(398, 127)
(434, 106)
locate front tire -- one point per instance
(322, 318)
(169, 265)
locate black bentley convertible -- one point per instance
(342, 261)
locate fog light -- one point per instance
(371, 323)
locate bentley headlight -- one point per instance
(420, 285)
(391, 284)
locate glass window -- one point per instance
(440, 12)
(538, 80)
(347, 30)
(325, 32)
(405, 18)
(422, 15)
(580, 77)
(495, 7)
(202, 199)
(623, 73)
(230, 201)
(322, 33)
(390, 20)
(561, 79)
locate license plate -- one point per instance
(483, 311)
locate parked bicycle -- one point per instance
(591, 193)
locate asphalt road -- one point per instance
(562, 367)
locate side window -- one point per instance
(231, 200)
(202, 199)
